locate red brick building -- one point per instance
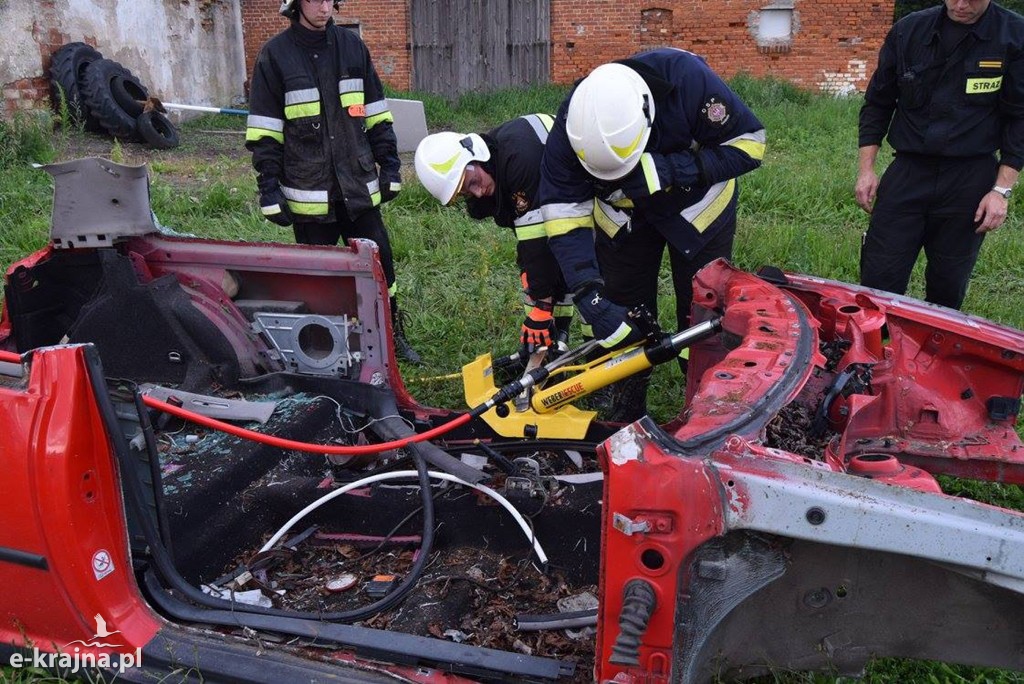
(830, 45)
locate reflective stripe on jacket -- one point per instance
(967, 103)
(320, 125)
(698, 122)
(517, 147)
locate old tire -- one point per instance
(67, 73)
(156, 130)
(114, 96)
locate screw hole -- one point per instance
(652, 559)
(815, 515)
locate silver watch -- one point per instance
(1005, 192)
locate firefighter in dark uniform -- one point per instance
(949, 92)
(648, 150)
(497, 173)
(322, 139)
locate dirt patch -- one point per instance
(204, 156)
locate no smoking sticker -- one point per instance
(102, 564)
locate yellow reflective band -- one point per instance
(704, 219)
(375, 198)
(308, 208)
(563, 311)
(685, 354)
(581, 154)
(349, 99)
(621, 333)
(446, 166)
(979, 86)
(990, 64)
(297, 111)
(547, 120)
(605, 222)
(393, 290)
(650, 173)
(530, 232)
(257, 133)
(372, 121)
(558, 227)
(624, 152)
(586, 330)
(754, 149)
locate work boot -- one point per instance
(403, 349)
(629, 398)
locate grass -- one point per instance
(458, 279)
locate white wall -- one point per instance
(184, 51)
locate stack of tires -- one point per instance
(103, 96)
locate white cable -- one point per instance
(402, 474)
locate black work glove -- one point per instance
(273, 204)
(389, 189)
(610, 322)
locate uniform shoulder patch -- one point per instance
(715, 111)
(521, 201)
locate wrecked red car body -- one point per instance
(789, 518)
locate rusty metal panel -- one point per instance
(465, 45)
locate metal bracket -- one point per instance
(310, 343)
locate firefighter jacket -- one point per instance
(319, 123)
(703, 136)
(965, 103)
(517, 147)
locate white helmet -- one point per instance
(290, 7)
(609, 120)
(441, 161)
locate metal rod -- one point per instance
(212, 110)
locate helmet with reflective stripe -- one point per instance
(609, 120)
(441, 160)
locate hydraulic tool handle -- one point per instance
(669, 348)
(621, 365)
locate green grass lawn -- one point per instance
(458, 278)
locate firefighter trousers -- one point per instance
(927, 203)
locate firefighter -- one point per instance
(659, 139)
(948, 92)
(497, 173)
(322, 139)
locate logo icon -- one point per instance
(101, 633)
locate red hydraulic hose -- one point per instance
(273, 441)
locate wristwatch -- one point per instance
(1005, 192)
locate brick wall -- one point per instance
(33, 92)
(383, 25)
(834, 44)
(833, 47)
(195, 56)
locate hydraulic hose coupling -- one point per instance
(638, 604)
